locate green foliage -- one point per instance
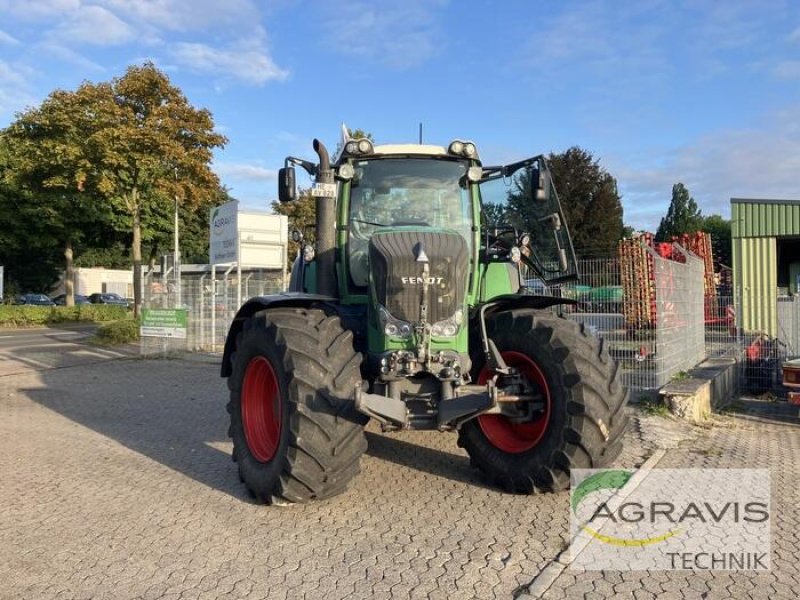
(31, 316)
(117, 332)
(114, 155)
(721, 242)
(654, 408)
(302, 217)
(683, 215)
(495, 214)
(680, 376)
(590, 200)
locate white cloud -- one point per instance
(189, 15)
(244, 172)
(96, 26)
(401, 34)
(174, 29)
(758, 162)
(15, 92)
(787, 69)
(40, 10)
(66, 54)
(250, 63)
(795, 35)
(8, 39)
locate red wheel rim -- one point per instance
(517, 437)
(261, 409)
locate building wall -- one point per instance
(755, 280)
(764, 218)
(97, 279)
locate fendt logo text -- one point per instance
(422, 280)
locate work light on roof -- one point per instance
(357, 147)
(465, 149)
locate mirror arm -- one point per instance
(308, 166)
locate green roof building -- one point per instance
(766, 259)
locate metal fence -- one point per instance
(651, 350)
(211, 299)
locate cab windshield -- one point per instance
(417, 192)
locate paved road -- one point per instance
(26, 350)
(117, 483)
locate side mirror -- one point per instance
(287, 190)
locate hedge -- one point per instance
(117, 332)
(30, 316)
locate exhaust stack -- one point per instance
(326, 217)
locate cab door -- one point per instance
(521, 198)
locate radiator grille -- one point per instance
(397, 276)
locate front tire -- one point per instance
(582, 418)
(296, 434)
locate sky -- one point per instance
(660, 92)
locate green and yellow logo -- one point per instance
(613, 479)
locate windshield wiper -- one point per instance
(368, 223)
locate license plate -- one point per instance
(323, 190)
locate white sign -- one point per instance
(224, 234)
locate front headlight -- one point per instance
(394, 327)
(448, 327)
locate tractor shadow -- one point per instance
(171, 412)
(415, 456)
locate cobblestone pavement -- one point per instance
(117, 483)
(758, 435)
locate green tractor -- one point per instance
(414, 307)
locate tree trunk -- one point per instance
(137, 253)
(69, 276)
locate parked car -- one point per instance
(61, 300)
(108, 298)
(34, 300)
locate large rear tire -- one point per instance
(582, 418)
(296, 434)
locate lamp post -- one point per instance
(177, 256)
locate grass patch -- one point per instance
(680, 376)
(654, 408)
(116, 332)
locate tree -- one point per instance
(131, 146)
(29, 253)
(720, 230)
(44, 162)
(495, 213)
(152, 146)
(682, 216)
(590, 200)
(302, 217)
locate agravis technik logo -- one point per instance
(612, 480)
(670, 519)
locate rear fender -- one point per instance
(259, 303)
